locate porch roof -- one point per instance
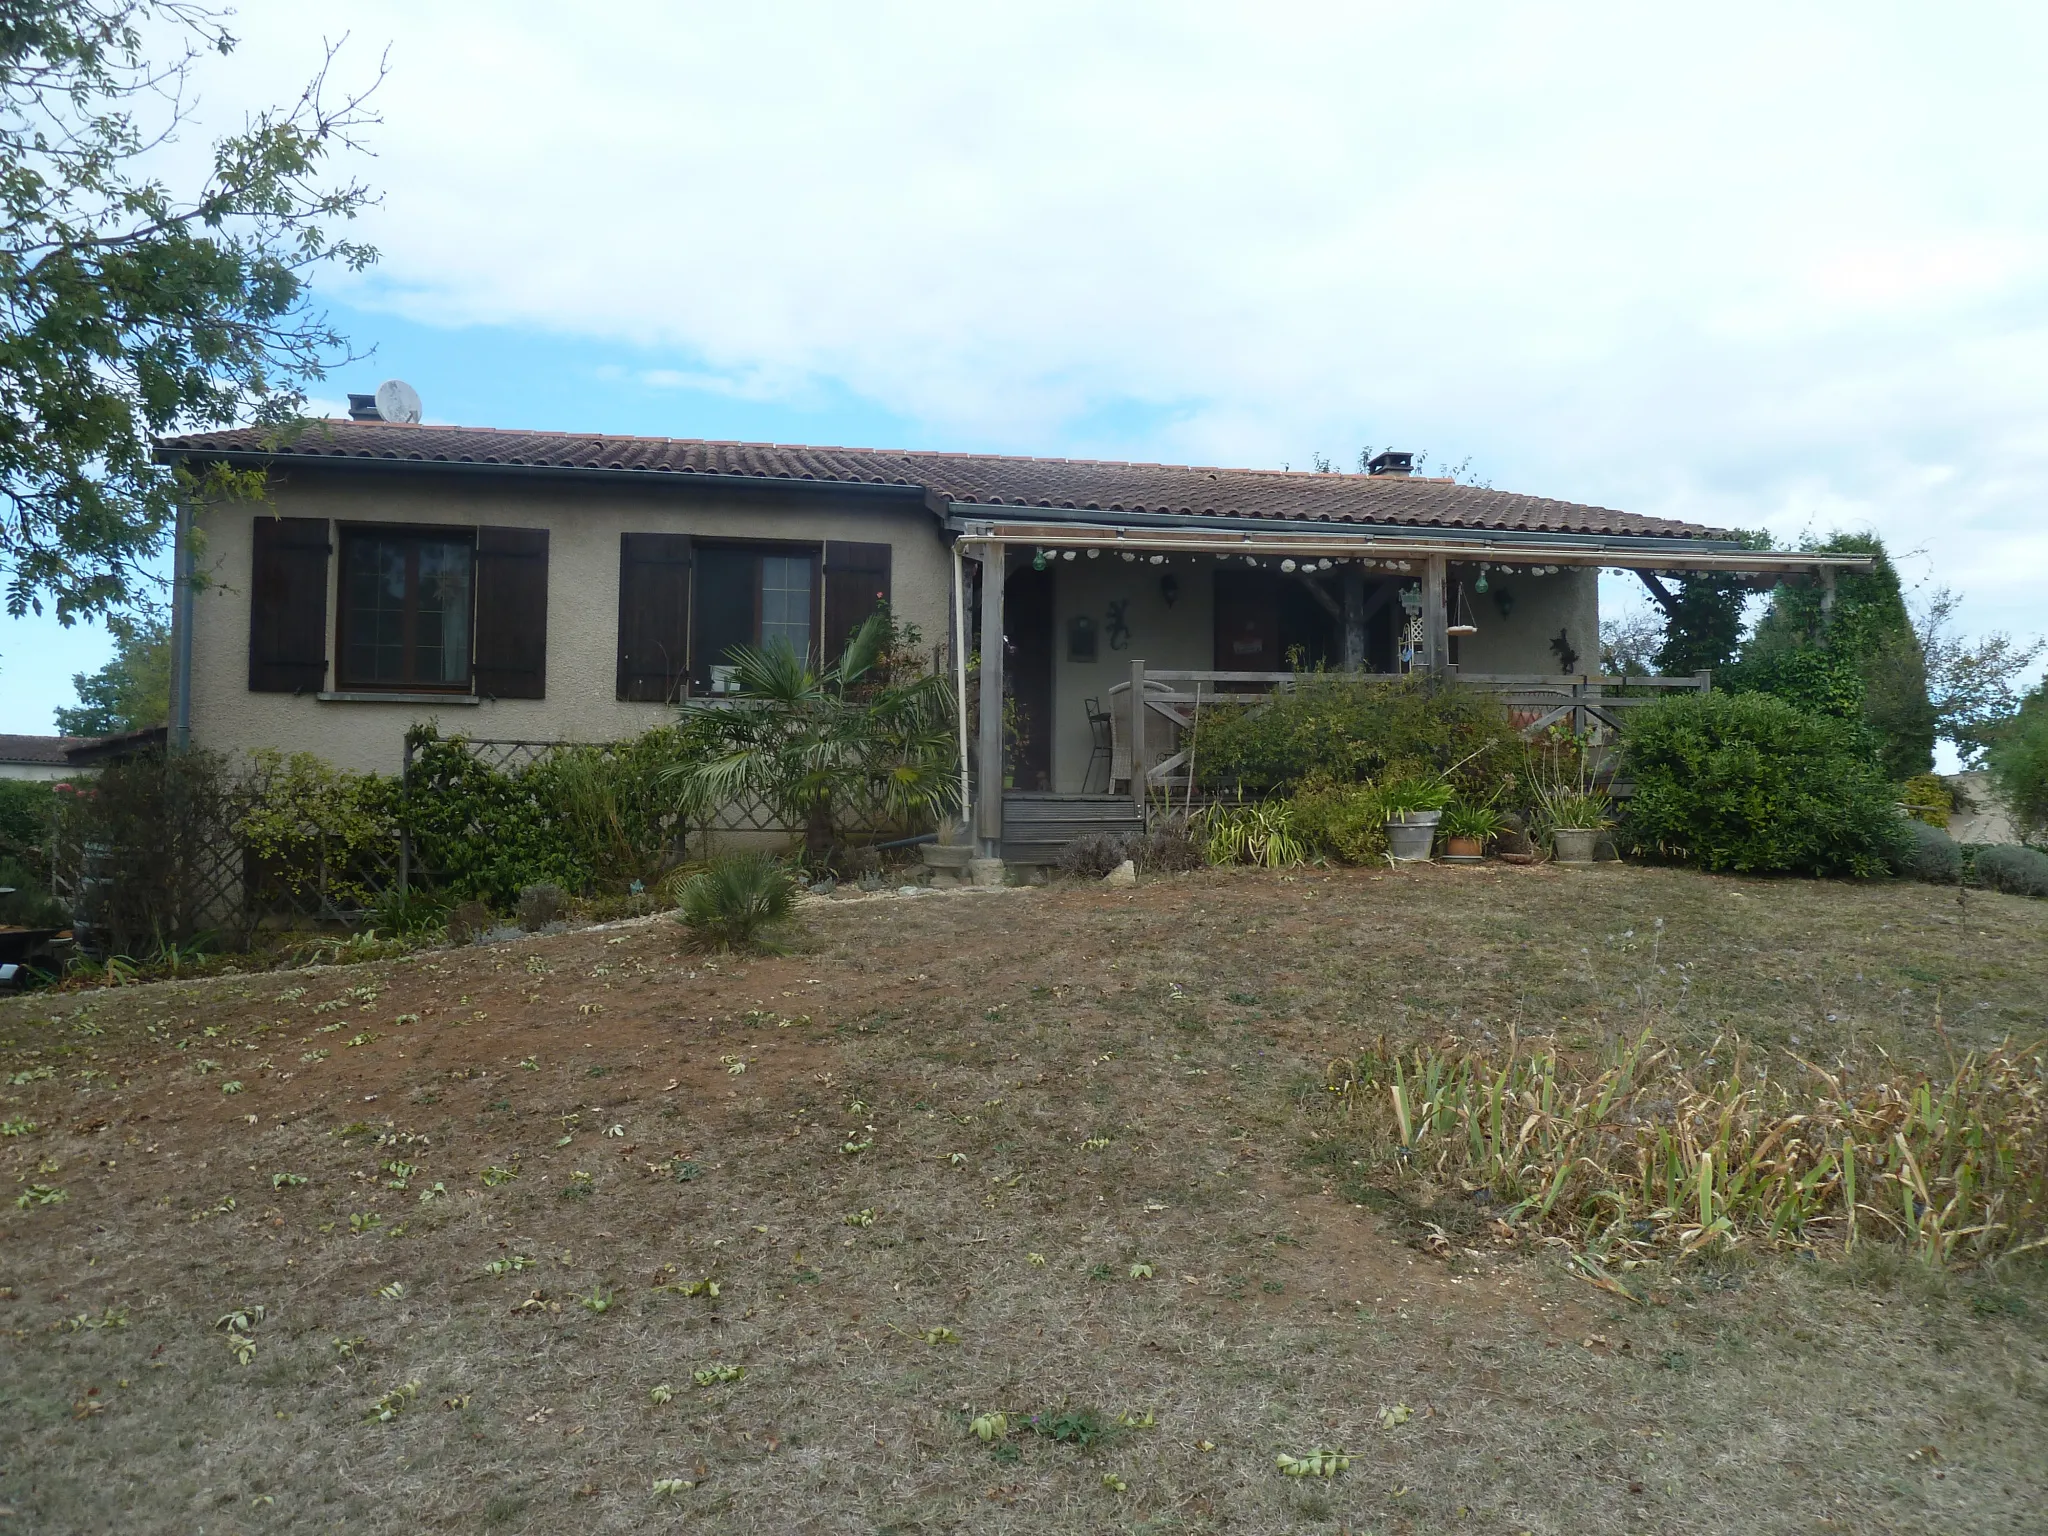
(1395, 547)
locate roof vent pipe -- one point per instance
(1391, 463)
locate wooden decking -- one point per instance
(1037, 825)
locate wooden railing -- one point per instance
(1156, 710)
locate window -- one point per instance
(750, 595)
(405, 609)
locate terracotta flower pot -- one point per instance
(1464, 847)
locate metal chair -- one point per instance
(1099, 730)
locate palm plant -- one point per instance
(737, 901)
(818, 747)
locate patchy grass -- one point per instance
(1005, 1211)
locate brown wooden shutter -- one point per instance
(288, 605)
(856, 581)
(512, 612)
(654, 616)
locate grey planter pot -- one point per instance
(1409, 836)
(1575, 845)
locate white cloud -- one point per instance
(1754, 265)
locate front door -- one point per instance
(1247, 622)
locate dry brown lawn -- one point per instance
(1041, 1151)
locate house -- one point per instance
(37, 757)
(552, 586)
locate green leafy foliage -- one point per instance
(131, 691)
(2019, 767)
(316, 831)
(1928, 799)
(1749, 784)
(1344, 730)
(738, 901)
(133, 309)
(870, 736)
(1867, 646)
(1261, 833)
(1341, 821)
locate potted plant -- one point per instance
(1412, 808)
(1466, 830)
(1571, 809)
(1576, 819)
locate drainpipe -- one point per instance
(181, 630)
(960, 675)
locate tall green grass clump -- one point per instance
(1657, 1152)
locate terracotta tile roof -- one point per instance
(981, 479)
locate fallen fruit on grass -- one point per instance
(669, 1487)
(1314, 1464)
(1400, 1413)
(865, 1217)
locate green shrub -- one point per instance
(2008, 867)
(1928, 799)
(317, 834)
(29, 903)
(2019, 767)
(737, 901)
(1749, 784)
(1341, 821)
(1348, 730)
(485, 833)
(1931, 854)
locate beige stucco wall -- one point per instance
(584, 522)
(1182, 635)
(1541, 606)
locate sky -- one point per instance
(1757, 266)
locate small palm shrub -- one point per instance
(738, 901)
(1931, 854)
(2013, 869)
(1463, 819)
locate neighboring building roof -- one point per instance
(100, 749)
(981, 479)
(41, 750)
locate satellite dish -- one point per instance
(398, 401)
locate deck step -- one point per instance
(1037, 826)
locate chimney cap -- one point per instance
(362, 408)
(1391, 463)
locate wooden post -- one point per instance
(989, 765)
(1354, 619)
(1436, 642)
(1141, 760)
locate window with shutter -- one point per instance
(405, 608)
(288, 605)
(856, 583)
(654, 617)
(749, 595)
(511, 612)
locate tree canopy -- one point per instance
(131, 691)
(129, 308)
